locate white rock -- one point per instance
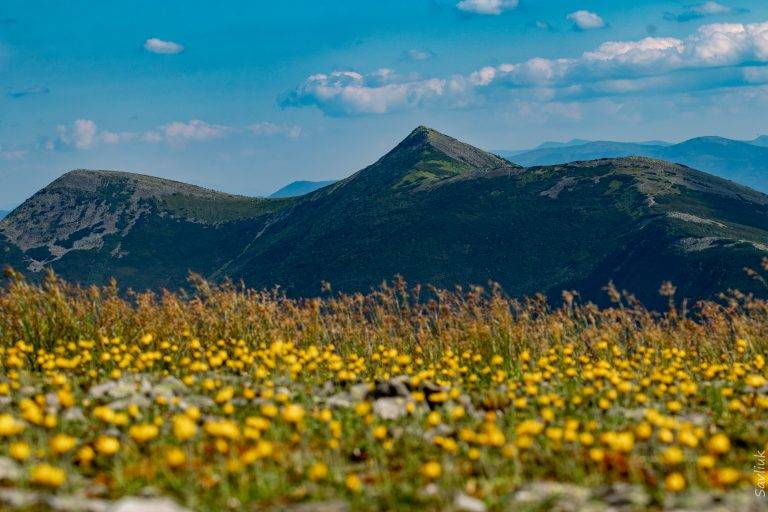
(466, 503)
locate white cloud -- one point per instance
(710, 57)
(193, 130)
(351, 93)
(85, 134)
(419, 55)
(710, 7)
(155, 45)
(12, 154)
(117, 137)
(81, 135)
(586, 20)
(267, 129)
(702, 10)
(493, 7)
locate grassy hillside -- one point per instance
(425, 213)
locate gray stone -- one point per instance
(465, 503)
(556, 496)
(112, 389)
(77, 504)
(9, 470)
(339, 400)
(73, 414)
(390, 408)
(135, 504)
(359, 392)
(17, 498)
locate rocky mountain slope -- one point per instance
(147, 232)
(433, 209)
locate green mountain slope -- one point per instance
(742, 162)
(637, 221)
(433, 209)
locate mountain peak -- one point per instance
(427, 156)
(424, 138)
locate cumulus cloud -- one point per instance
(155, 45)
(267, 129)
(702, 10)
(352, 93)
(713, 56)
(586, 20)
(81, 134)
(493, 7)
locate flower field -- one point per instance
(402, 399)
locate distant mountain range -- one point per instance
(743, 162)
(299, 188)
(3, 213)
(434, 210)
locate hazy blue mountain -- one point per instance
(760, 141)
(3, 213)
(742, 162)
(299, 188)
(433, 209)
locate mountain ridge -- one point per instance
(433, 209)
(739, 161)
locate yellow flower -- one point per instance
(293, 413)
(19, 451)
(380, 432)
(62, 443)
(107, 445)
(674, 482)
(175, 457)
(719, 444)
(596, 454)
(674, 406)
(85, 455)
(143, 432)
(529, 428)
(222, 429)
(318, 471)
(728, 476)
(225, 395)
(184, 428)
(431, 470)
(10, 426)
(672, 456)
(643, 431)
(353, 483)
(47, 475)
(706, 462)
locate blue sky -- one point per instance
(245, 96)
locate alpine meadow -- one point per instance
(202, 309)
